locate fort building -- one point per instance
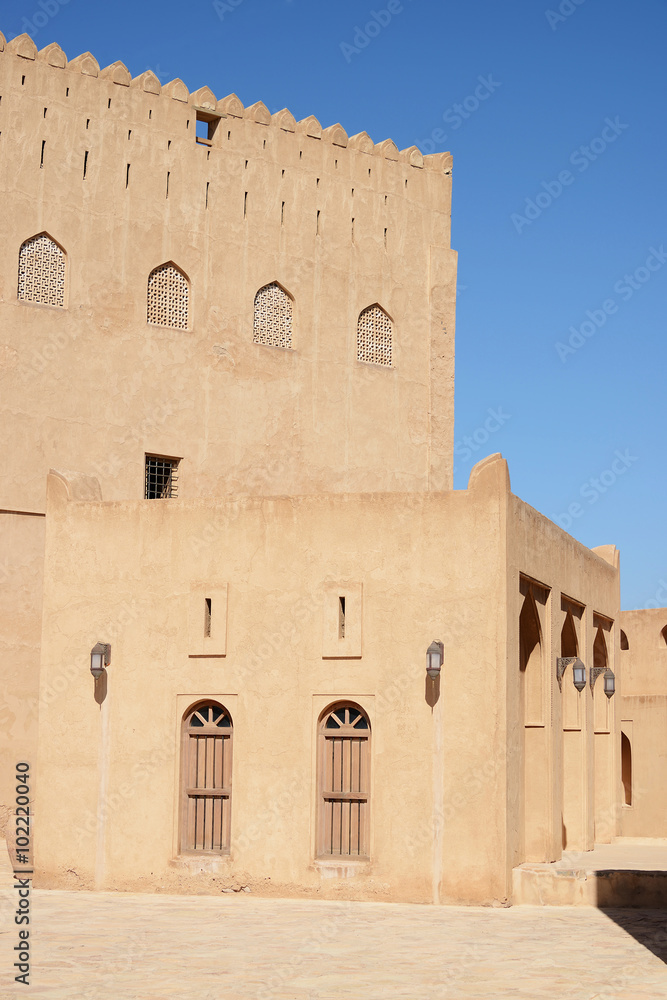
(227, 370)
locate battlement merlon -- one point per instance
(334, 139)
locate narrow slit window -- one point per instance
(207, 187)
(282, 213)
(318, 222)
(87, 123)
(353, 230)
(85, 164)
(129, 134)
(207, 617)
(341, 617)
(41, 161)
(127, 176)
(109, 104)
(385, 237)
(245, 204)
(167, 190)
(45, 110)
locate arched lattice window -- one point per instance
(344, 783)
(42, 272)
(206, 768)
(272, 322)
(374, 334)
(168, 297)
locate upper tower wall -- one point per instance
(125, 175)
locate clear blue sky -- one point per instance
(584, 428)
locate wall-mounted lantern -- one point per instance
(100, 658)
(435, 655)
(609, 682)
(579, 675)
(578, 671)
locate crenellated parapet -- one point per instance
(23, 47)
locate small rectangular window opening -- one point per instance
(22, 81)
(129, 133)
(150, 115)
(85, 164)
(127, 176)
(341, 617)
(282, 213)
(336, 164)
(317, 182)
(246, 164)
(385, 199)
(245, 204)
(353, 229)
(187, 124)
(168, 143)
(369, 171)
(167, 191)
(45, 110)
(207, 617)
(87, 122)
(109, 104)
(208, 154)
(161, 480)
(41, 161)
(67, 92)
(207, 187)
(406, 182)
(264, 144)
(385, 237)
(229, 135)
(205, 127)
(300, 154)
(282, 174)
(318, 222)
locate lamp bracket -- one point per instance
(595, 673)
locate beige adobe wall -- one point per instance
(566, 758)
(21, 563)
(93, 386)
(429, 567)
(644, 721)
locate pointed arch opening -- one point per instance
(344, 782)
(600, 658)
(206, 779)
(375, 336)
(624, 641)
(41, 277)
(626, 769)
(168, 297)
(530, 660)
(663, 636)
(273, 317)
(569, 645)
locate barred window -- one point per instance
(168, 297)
(344, 782)
(374, 333)
(206, 769)
(272, 324)
(161, 478)
(42, 272)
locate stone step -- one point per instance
(549, 885)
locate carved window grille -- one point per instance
(161, 478)
(168, 297)
(42, 272)
(344, 783)
(206, 768)
(374, 335)
(272, 324)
